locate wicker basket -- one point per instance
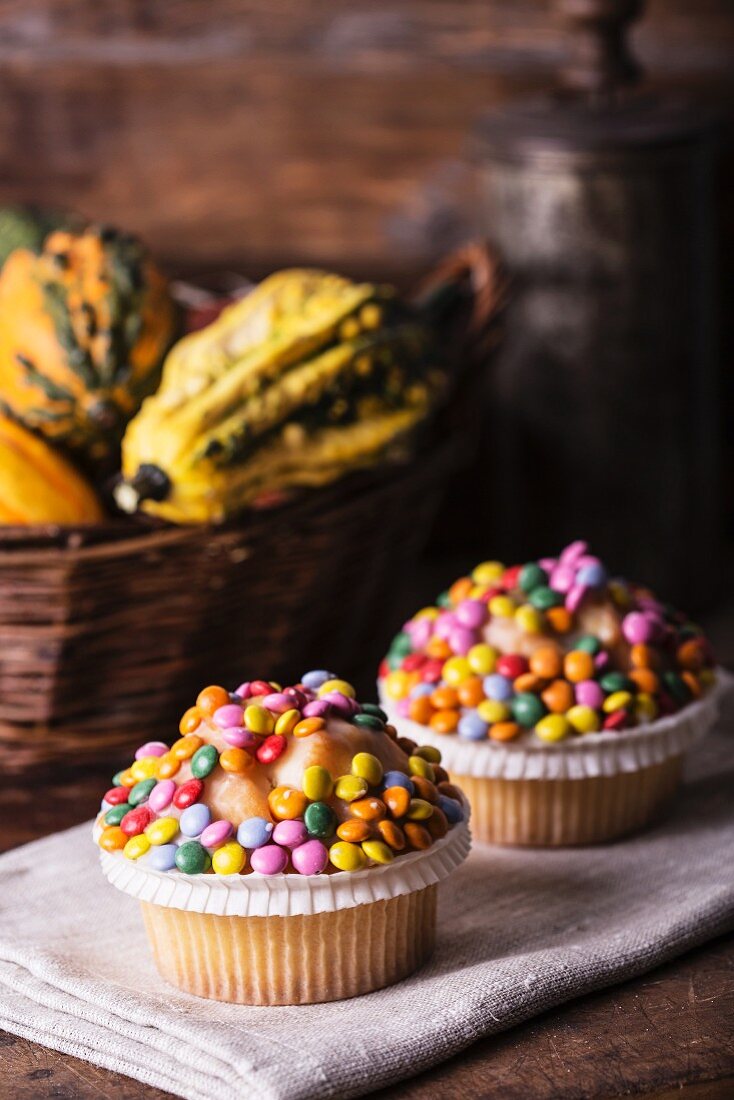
(107, 633)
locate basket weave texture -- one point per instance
(108, 633)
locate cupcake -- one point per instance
(286, 848)
(562, 700)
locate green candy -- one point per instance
(204, 761)
(141, 791)
(676, 686)
(616, 681)
(527, 709)
(192, 858)
(401, 644)
(117, 778)
(372, 708)
(116, 814)
(589, 644)
(544, 598)
(394, 661)
(368, 721)
(444, 600)
(532, 576)
(320, 820)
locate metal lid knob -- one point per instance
(601, 65)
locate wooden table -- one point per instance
(669, 1031)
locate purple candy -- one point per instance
(420, 690)
(269, 860)
(278, 702)
(573, 552)
(574, 597)
(151, 748)
(315, 679)
(592, 573)
(161, 795)
(471, 613)
(244, 690)
(589, 694)
(638, 628)
(216, 834)
(319, 708)
(240, 738)
(289, 834)
(461, 639)
(562, 578)
(310, 858)
(229, 715)
(340, 702)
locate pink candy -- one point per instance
(573, 552)
(340, 702)
(420, 632)
(269, 860)
(310, 858)
(216, 834)
(277, 702)
(638, 628)
(461, 640)
(562, 578)
(444, 624)
(589, 694)
(240, 738)
(574, 597)
(319, 708)
(289, 834)
(244, 690)
(151, 748)
(161, 795)
(471, 613)
(229, 715)
(403, 708)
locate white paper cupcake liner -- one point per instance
(594, 754)
(285, 895)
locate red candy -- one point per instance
(271, 748)
(188, 793)
(135, 821)
(384, 669)
(431, 671)
(510, 577)
(414, 661)
(116, 795)
(261, 687)
(617, 720)
(299, 698)
(512, 665)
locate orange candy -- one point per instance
(529, 682)
(308, 726)
(286, 803)
(444, 698)
(438, 648)
(690, 655)
(642, 656)
(420, 710)
(397, 800)
(236, 761)
(559, 619)
(546, 662)
(113, 838)
(211, 699)
(185, 748)
(460, 589)
(693, 682)
(471, 692)
(558, 697)
(368, 809)
(168, 765)
(646, 680)
(504, 731)
(391, 833)
(444, 721)
(578, 665)
(354, 831)
(190, 720)
(417, 835)
(127, 779)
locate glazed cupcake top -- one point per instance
(278, 780)
(544, 651)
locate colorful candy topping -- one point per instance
(156, 810)
(556, 647)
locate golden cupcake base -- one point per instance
(297, 959)
(559, 812)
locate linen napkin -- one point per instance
(520, 932)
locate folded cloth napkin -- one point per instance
(520, 932)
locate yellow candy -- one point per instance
(378, 851)
(420, 766)
(368, 767)
(258, 719)
(529, 619)
(285, 722)
(397, 684)
(136, 846)
(229, 859)
(347, 857)
(620, 594)
(583, 719)
(554, 727)
(502, 607)
(419, 809)
(350, 787)
(317, 783)
(490, 710)
(429, 753)
(427, 613)
(616, 701)
(455, 670)
(707, 676)
(162, 831)
(487, 572)
(338, 685)
(646, 708)
(145, 768)
(482, 659)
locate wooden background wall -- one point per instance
(233, 132)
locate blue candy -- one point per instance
(594, 575)
(162, 857)
(255, 832)
(195, 819)
(316, 678)
(497, 687)
(397, 779)
(452, 809)
(472, 728)
(422, 689)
